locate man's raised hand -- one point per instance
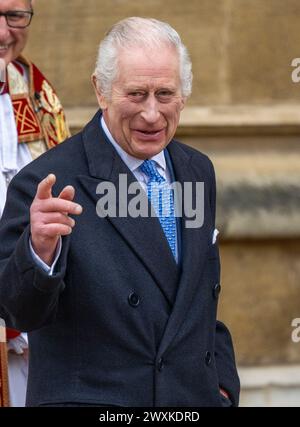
(49, 217)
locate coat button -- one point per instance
(133, 299)
(207, 358)
(217, 290)
(160, 364)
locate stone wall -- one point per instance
(241, 49)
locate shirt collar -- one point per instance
(133, 163)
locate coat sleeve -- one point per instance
(224, 352)
(28, 296)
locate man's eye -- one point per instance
(136, 95)
(165, 95)
(15, 16)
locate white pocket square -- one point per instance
(215, 234)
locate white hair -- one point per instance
(139, 32)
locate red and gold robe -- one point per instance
(41, 124)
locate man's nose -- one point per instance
(4, 29)
(151, 111)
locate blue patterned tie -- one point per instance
(162, 200)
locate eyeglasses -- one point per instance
(17, 18)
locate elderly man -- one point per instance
(31, 121)
(120, 307)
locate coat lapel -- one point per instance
(194, 245)
(144, 236)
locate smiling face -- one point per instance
(143, 110)
(12, 40)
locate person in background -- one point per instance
(32, 120)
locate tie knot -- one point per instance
(148, 167)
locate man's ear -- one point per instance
(101, 99)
